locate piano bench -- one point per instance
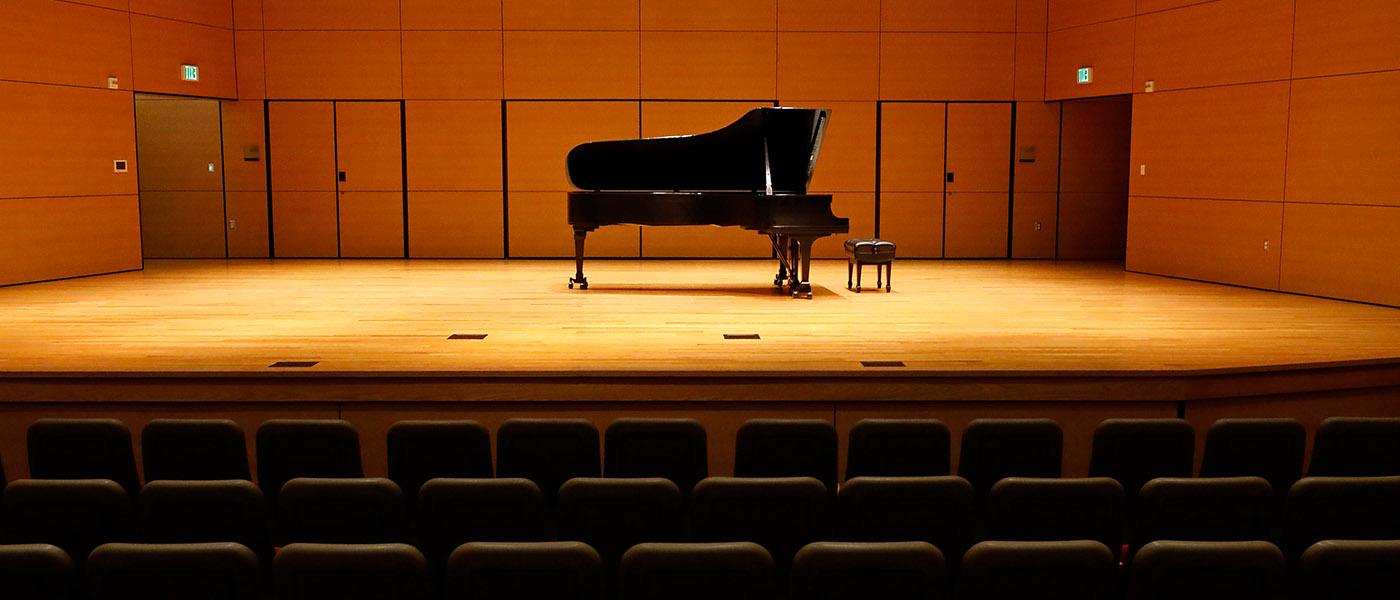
(861, 252)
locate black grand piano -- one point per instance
(753, 173)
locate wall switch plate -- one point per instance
(1150, 86)
(118, 166)
(1266, 245)
(211, 167)
(112, 82)
(1142, 169)
(232, 224)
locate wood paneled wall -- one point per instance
(64, 211)
(556, 73)
(1266, 156)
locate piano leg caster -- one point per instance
(582, 283)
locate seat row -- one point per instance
(780, 514)
(1079, 570)
(552, 451)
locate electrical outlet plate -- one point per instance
(1150, 86)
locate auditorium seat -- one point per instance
(1227, 509)
(889, 571)
(341, 511)
(83, 449)
(1074, 570)
(676, 449)
(733, 571)
(787, 448)
(1350, 570)
(172, 512)
(524, 571)
(36, 572)
(422, 450)
(993, 449)
(937, 510)
(547, 451)
(1175, 570)
(194, 449)
(897, 448)
(451, 512)
(1356, 447)
(76, 515)
(1045, 510)
(217, 571)
(1341, 508)
(1268, 448)
(1135, 451)
(612, 515)
(359, 571)
(291, 448)
(782, 514)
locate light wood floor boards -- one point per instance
(666, 317)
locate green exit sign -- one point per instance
(1086, 75)
(189, 72)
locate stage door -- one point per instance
(337, 179)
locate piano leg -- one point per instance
(578, 278)
(780, 249)
(802, 248)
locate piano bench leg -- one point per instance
(849, 265)
(859, 268)
(889, 276)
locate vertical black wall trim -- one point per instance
(505, 187)
(267, 165)
(1011, 193)
(335, 151)
(1059, 169)
(223, 173)
(943, 241)
(136, 139)
(879, 131)
(403, 154)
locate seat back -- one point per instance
(1350, 569)
(612, 515)
(1356, 447)
(1268, 448)
(183, 512)
(676, 449)
(194, 449)
(292, 448)
(897, 448)
(1341, 508)
(1174, 570)
(734, 571)
(359, 571)
(781, 514)
(993, 449)
(1135, 451)
(36, 572)
(890, 571)
(341, 511)
(547, 451)
(937, 510)
(1027, 509)
(76, 515)
(216, 571)
(1076, 570)
(451, 512)
(422, 450)
(83, 449)
(525, 571)
(1226, 509)
(787, 448)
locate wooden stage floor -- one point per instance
(667, 320)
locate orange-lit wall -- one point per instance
(63, 211)
(1268, 154)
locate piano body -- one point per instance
(752, 173)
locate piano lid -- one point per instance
(768, 150)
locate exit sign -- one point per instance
(189, 72)
(1086, 75)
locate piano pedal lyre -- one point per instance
(582, 283)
